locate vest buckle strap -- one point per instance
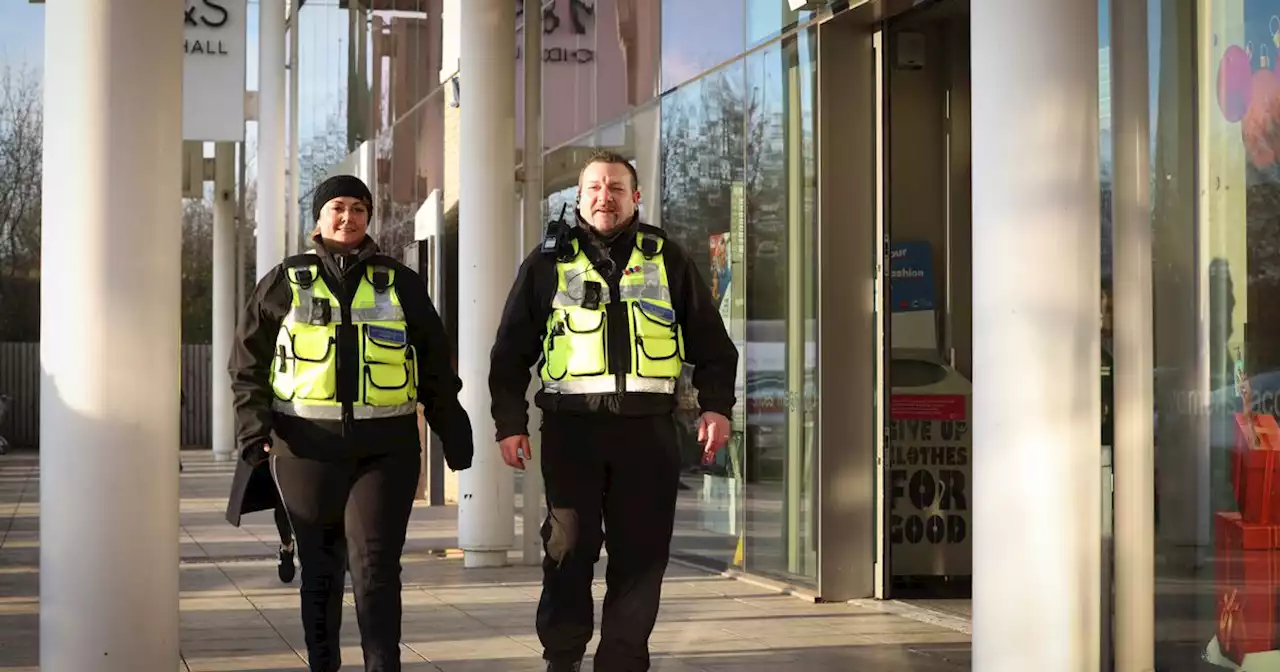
(381, 279)
(649, 246)
(304, 277)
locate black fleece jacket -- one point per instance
(253, 349)
(524, 320)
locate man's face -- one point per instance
(606, 197)
(344, 221)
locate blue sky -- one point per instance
(22, 34)
(22, 44)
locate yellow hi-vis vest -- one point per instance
(576, 348)
(304, 371)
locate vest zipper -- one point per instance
(348, 413)
(612, 311)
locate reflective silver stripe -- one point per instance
(563, 300)
(334, 412)
(383, 309)
(301, 313)
(650, 287)
(609, 385)
(574, 290)
(379, 313)
(652, 293)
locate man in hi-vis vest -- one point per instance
(609, 310)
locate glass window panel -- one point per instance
(639, 34)
(698, 36)
(634, 137)
(739, 182)
(1212, 211)
(586, 75)
(323, 133)
(781, 185)
(406, 53)
(767, 19)
(702, 193)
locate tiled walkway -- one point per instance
(237, 616)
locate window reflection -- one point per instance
(698, 36)
(767, 19)
(598, 60)
(1217, 343)
(739, 182)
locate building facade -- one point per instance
(820, 165)
(997, 271)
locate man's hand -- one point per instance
(515, 450)
(256, 455)
(713, 433)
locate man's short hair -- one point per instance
(605, 156)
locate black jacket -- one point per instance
(252, 352)
(524, 319)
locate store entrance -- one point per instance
(927, 306)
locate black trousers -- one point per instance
(283, 527)
(350, 514)
(621, 473)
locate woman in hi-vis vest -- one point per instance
(334, 352)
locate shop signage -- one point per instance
(570, 25)
(930, 496)
(213, 81)
(911, 276)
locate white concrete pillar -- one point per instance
(296, 235)
(1036, 398)
(1133, 300)
(110, 341)
(241, 234)
(486, 246)
(271, 140)
(531, 233)
(224, 295)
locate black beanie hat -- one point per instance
(337, 187)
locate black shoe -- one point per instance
(575, 666)
(286, 568)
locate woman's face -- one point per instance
(344, 221)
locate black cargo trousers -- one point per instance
(620, 473)
(350, 514)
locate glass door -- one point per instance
(925, 300)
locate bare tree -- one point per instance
(197, 271)
(321, 152)
(21, 156)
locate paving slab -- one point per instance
(237, 616)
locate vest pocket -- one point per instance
(386, 385)
(314, 375)
(657, 345)
(585, 332)
(384, 345)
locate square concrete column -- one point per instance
(110, 336)
(1036, 335)
(488, 235)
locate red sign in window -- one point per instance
(927, 407)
